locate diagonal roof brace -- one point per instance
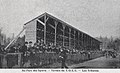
(52, 26)
(41, 22)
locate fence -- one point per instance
(10, 60)
(13, 60)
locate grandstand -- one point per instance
(53, 30)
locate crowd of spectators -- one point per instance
(30, 49)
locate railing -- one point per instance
(10, 60)
(14, 60)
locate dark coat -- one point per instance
(64, 54)
(23, 49)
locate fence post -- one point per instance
(4, 62)
(19, 59)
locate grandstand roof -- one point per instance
(64, 23)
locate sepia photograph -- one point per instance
(60, 34)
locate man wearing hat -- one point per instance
(63, 56)
(23, 50)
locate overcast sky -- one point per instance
(95, 17)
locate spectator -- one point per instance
(43, 48)
(18, 48)
(23, 50)
(89, 53)
(32, 57)
(12, 49)
(63, 56)
(1, 49)
(30, 44)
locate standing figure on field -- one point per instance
(63, 57)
